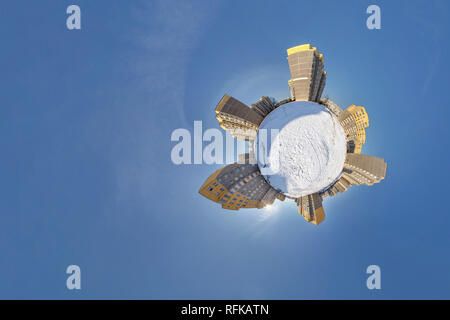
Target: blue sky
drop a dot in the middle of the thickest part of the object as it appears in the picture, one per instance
(86, 176)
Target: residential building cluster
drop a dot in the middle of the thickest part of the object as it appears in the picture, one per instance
(241, 185)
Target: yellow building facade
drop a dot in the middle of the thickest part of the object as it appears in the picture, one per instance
(308, 78)
(354, 119)
(310, 207)
(238, 186)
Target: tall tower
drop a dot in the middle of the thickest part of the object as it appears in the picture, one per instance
(354, 119)
(310, 207)
(308, 78)
(358, 169)
(363, 169)
(331, 106)
(264, 106)
(341, 185)
(237, 118)
(239, 186)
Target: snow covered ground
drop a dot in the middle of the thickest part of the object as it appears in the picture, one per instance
(308, 153)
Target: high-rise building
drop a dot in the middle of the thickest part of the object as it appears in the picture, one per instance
(310, 207)
(341, 185)
(264, 106)
(322, 82)
(363, 169)
(239, 186)
(279, 103)
(269, 197)
(308, 78)
(331, 106)
(358, 169)
(237, 118)
(354, 119)
(281, 196)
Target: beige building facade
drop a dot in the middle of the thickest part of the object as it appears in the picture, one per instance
(237, 118)
(308, 77)
(239, 186)
(264, 106)
(331, 106)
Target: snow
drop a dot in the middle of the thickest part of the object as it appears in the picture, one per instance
(308, 153)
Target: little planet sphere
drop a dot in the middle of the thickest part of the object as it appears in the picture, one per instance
(307, 154)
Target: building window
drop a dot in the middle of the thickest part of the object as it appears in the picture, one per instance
(215, 183)
(210, 189)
